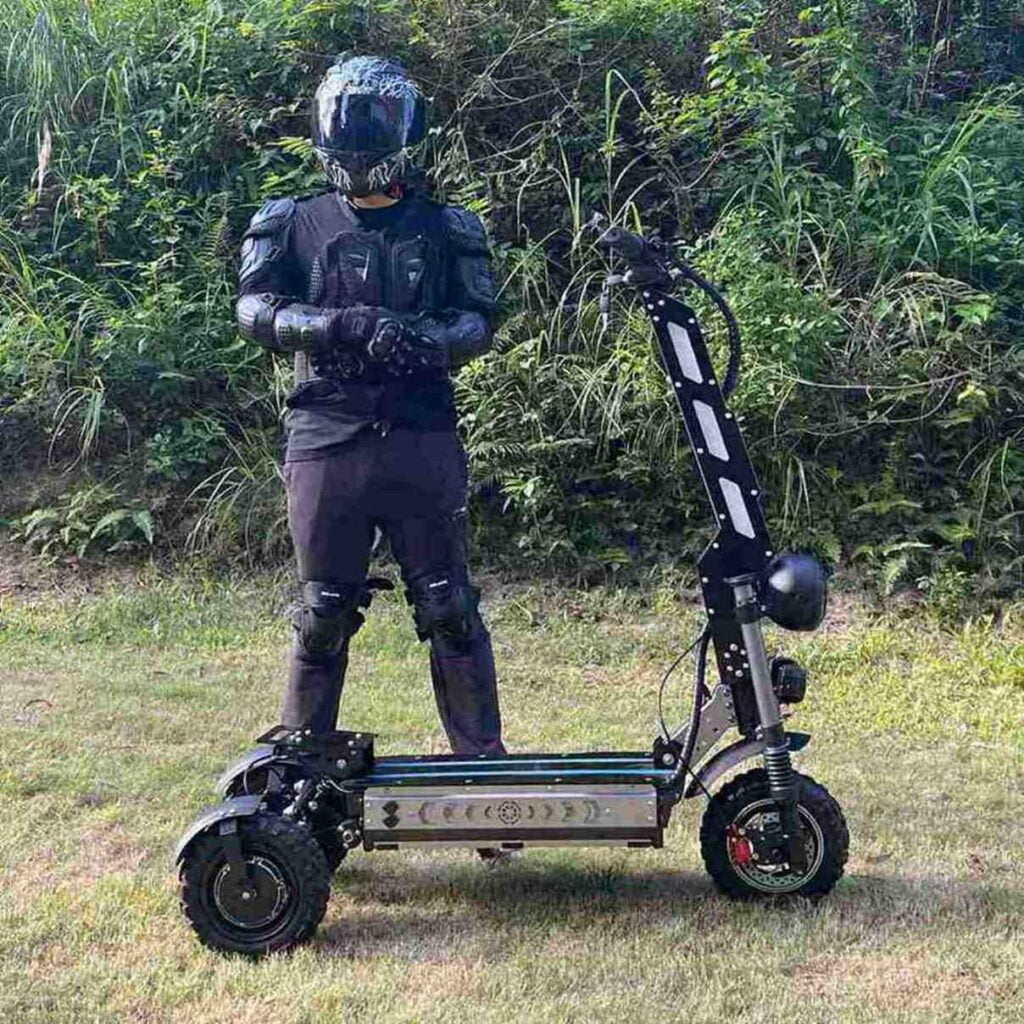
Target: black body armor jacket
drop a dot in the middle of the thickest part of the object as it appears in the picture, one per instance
(310, 263)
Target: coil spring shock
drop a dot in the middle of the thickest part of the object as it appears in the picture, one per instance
(783, 788)
(779, 768)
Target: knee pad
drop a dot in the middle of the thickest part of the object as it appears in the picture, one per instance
(445, 608)
(327, 617)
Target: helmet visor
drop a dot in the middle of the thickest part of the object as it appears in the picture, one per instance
(364, 127)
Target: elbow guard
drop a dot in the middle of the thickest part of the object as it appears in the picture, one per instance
(255, 317)
(284, 326)
(470, 336)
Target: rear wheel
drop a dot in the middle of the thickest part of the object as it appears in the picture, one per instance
(277, 904)
(739, 839)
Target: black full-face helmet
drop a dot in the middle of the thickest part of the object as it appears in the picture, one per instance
(794, 591)
(367, 114)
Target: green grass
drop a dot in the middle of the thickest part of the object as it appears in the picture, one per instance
(118, 707)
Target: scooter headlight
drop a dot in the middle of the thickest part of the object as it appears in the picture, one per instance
(793, 591)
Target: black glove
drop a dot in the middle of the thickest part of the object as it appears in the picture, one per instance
(348, 330)
(354, 326)
(403, 351)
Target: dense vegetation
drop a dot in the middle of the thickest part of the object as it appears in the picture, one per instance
(849, 172)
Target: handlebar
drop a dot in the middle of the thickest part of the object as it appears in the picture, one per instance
(650, 266)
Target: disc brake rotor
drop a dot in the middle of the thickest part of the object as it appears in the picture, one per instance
(742, 847)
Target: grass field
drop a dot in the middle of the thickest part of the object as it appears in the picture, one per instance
(119, 705)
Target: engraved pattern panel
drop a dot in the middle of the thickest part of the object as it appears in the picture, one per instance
(408, 266)
(434, 808)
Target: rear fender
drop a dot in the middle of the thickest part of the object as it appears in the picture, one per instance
(237, 807)
(246, 763)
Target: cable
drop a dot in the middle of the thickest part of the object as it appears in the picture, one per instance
(668, 672)
(698, 692)
(732, 372)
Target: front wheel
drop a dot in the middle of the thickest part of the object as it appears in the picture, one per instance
(278, 903)
(739, 839)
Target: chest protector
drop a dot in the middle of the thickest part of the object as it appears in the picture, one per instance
(401, 266)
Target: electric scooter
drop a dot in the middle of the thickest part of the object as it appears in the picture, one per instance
(254, 870)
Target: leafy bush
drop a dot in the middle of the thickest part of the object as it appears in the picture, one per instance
(849, 172)
(88, 519)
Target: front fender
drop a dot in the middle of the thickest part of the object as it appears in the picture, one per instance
(237, 807)
(734, 754)
(249, 760)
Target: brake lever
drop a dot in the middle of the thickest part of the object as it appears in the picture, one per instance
(605, 302)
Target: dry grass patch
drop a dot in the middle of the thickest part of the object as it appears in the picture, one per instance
(889, 982)
(49, 963)
(105, 850)
(425, 985)
(102, 850)
(218, 1009)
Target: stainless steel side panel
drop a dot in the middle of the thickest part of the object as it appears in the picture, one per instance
(531, 815)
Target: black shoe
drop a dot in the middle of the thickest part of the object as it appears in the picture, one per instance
(492, 856)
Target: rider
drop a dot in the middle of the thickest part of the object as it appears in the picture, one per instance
(380, 293)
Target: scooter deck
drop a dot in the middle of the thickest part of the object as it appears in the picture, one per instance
(513, 801)
(533, 769)
(514, 769)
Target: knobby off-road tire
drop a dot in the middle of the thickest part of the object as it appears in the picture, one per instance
(739, 804)
(290, 886)
(333, 849)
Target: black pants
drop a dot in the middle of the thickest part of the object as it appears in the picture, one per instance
(413, 486)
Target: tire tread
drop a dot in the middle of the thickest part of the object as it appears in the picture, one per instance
(305, 859)
(753, 785)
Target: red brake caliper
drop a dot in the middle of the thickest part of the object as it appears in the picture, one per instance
(739, 847)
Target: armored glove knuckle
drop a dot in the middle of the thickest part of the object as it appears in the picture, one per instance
(387, 340)
(403, 352)
(338, 364)
(346, 331)
(429, 354)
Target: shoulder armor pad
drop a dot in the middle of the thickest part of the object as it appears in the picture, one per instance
(465, 231)
(265, 243)
(271, 218)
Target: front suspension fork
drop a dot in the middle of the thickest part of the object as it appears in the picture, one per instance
(777, 763)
